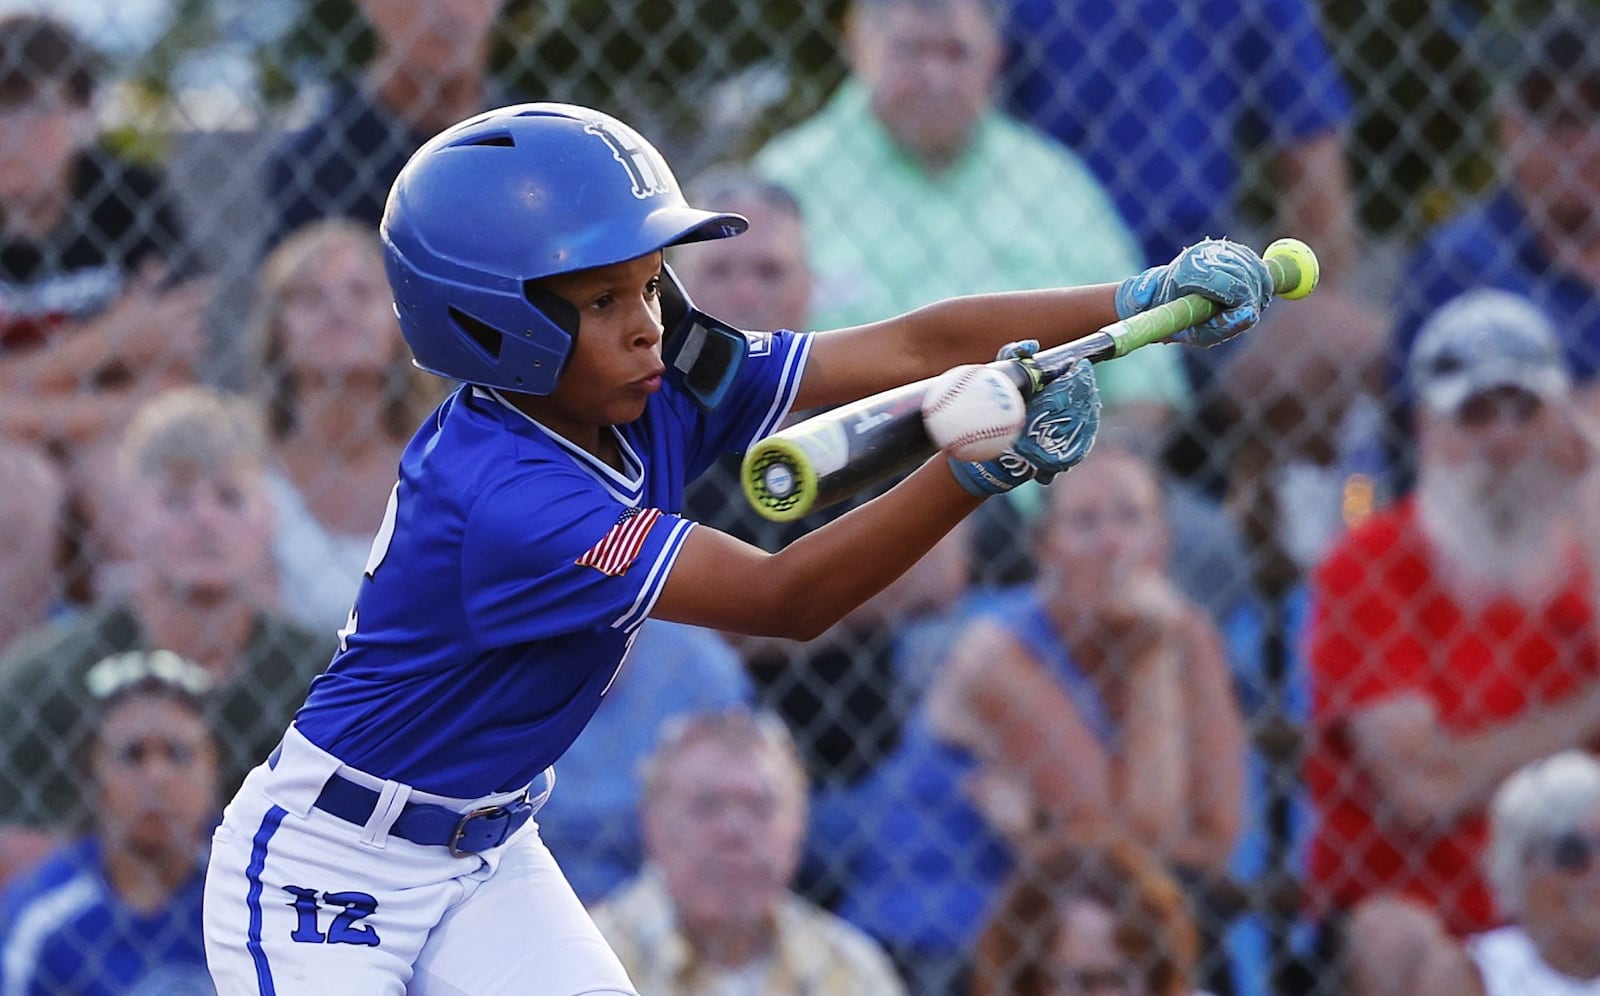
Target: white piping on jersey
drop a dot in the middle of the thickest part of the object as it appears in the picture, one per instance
(627, 488)
(656, 580)
(43, 916)
(789, 387)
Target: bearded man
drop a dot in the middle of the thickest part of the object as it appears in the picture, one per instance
(1452, 636)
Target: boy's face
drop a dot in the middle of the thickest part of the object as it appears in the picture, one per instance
(616, 362)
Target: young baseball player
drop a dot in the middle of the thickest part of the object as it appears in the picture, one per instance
(386, 846)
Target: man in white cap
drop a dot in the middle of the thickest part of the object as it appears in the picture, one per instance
(1451, 639)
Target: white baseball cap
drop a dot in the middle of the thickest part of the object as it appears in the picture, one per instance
(1483, 340)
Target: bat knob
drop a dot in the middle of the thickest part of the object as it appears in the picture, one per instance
(779, 480)
(1306, 268)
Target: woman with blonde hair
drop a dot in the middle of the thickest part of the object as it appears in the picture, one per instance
(340, 398)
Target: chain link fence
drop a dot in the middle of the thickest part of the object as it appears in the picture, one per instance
(166, 181)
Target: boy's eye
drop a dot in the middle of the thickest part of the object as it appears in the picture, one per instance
(653, 288)
(603, 301)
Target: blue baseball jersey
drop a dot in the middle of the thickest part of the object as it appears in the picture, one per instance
(63, 930)
(511, 573)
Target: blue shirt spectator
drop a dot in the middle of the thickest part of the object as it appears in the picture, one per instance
(1493, 244)
(63, 929)
(1536, 233)
(1098, 74)
(429, 70)
(340, 165)
(118, 912)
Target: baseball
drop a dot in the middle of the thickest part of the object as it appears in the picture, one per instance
(972, 412)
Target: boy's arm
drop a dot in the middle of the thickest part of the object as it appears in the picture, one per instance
(723, 583)
(848, 364)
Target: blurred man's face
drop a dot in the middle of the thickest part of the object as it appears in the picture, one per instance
(760, 280)
(204, 534)
(930, 70)
(1084, 960)
(1495, 443)
(1492, 491)
(1554, 157)
(155, 769)
(726, 828)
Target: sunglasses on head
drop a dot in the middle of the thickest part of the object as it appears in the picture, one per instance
(1484, 409)
(1573, 852)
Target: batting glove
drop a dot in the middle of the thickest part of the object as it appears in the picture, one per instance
(1057, 433)
(1227, 272)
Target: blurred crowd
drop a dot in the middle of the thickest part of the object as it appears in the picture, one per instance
(1292, 687)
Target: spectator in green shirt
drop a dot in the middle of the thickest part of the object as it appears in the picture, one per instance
(916, 187)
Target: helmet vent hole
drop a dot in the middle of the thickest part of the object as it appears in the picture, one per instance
(501, 139)
(483, 334)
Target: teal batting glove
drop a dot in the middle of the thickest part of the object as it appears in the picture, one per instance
(1229, 273)
(1057, 434)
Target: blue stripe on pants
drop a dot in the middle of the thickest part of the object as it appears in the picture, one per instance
(252, 874)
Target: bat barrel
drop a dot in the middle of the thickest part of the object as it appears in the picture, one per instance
(823, 459)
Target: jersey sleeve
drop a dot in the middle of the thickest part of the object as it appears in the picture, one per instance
(551, 553)
(758, 402)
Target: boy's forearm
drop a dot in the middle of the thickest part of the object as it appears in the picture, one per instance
(847, 561)
(970, 329)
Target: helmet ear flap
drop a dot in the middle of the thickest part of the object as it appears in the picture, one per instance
(703, 354)
(563, 314)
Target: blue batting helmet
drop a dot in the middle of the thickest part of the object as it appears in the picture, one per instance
(503, 199)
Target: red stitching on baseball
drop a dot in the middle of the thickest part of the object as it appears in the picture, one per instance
(949, 394)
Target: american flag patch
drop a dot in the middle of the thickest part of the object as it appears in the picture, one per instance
(621, 544)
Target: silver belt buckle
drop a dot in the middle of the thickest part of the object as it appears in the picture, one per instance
(461, 827)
